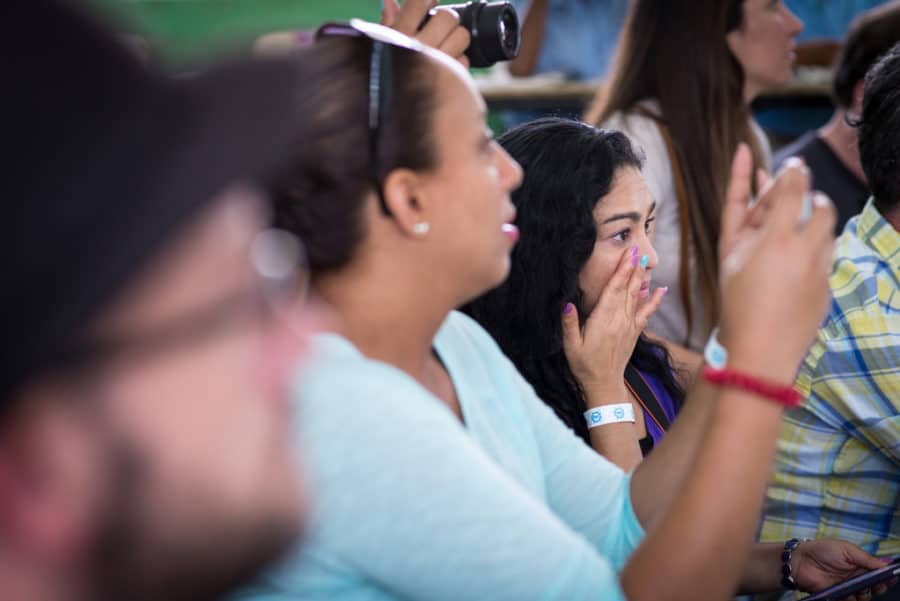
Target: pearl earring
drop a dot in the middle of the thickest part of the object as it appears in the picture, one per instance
(421, 228)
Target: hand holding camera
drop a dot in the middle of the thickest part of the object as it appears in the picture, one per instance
(477, 34)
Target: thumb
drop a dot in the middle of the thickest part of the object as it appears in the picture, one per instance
(571, 329)
(860, 558)
(389, 10)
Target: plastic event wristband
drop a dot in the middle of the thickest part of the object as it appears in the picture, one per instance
(609, 414)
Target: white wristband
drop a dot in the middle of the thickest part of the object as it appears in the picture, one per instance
(609, 414)
(714, 353)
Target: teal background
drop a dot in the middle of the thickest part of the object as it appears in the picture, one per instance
(190, 30)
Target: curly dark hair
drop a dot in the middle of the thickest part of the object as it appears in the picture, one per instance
(879, 131)
(569, 167)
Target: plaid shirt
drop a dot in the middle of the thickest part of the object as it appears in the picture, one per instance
(837, 470)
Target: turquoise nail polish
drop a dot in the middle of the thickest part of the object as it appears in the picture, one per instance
(645, 260)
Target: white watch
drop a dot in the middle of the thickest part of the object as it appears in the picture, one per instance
(714, 353)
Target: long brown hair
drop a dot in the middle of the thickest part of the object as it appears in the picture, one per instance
(676, 53)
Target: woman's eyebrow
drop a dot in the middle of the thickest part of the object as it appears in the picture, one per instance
(631, 215)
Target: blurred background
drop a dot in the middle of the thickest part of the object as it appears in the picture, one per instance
(181, 33)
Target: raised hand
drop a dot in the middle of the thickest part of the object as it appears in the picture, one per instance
(599, 352)
(774, 278)
(442, 30)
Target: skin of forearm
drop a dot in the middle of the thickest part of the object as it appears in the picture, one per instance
(617, 442)
(763, 570)
(701, 546)
(660, 477)
(532, 39)
(687, 363)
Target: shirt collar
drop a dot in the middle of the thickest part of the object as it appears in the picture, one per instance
(874, 230)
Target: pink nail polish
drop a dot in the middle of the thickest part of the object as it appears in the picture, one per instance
(634, 260)
(665, 290)
(568, 308)
(634, 251)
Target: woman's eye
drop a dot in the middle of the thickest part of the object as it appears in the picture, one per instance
(649, 225)
(621, 236)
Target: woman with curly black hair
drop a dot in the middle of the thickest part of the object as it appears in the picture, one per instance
(572, 311)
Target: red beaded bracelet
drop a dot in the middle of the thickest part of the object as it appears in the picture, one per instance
(786, 395)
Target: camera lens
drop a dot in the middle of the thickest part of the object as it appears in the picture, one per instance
(494, 30)
(509, 33)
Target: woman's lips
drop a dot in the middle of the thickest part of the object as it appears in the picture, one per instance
(510, 231)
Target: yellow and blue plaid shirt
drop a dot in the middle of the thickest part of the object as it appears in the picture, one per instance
(837, 469)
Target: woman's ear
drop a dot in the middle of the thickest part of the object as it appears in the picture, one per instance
(858, 89)
(407, 200)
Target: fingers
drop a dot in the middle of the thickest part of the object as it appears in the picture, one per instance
(617, 285)
(820, 227)
(861, 559)
(627, 264)
(411, 14)
(819, 231)
(738, 194)
(571, 329)
(864, 595)
(456, 43)
(650, 307)
(638, 268)
(786, 196)
(442, 23)
(389, 10)
(762, 180)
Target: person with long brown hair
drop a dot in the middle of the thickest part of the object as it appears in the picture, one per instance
(684, 76)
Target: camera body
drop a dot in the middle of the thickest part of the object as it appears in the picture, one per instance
(494, 28)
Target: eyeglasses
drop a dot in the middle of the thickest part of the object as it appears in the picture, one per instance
(381, 72)
(278, 261)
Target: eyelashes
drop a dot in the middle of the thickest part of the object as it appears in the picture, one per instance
(623, 235)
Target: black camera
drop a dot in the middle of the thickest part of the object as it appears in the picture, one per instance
(494, 27)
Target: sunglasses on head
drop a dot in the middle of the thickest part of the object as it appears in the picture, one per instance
(380, 80)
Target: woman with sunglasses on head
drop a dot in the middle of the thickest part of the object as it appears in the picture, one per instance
(684, 76)
(438, 473)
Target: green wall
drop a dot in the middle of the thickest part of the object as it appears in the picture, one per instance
(185, 30)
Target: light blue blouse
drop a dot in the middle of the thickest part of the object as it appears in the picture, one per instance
(411, 504)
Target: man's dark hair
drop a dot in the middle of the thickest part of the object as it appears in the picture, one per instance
(879, 131)
(870, 35)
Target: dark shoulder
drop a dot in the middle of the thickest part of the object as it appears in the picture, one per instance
(809, 147)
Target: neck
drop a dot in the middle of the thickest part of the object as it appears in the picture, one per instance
(751, 91)
(842, 140)
(387, 312)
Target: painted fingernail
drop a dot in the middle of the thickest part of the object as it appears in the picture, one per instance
(634, 251)
(568, 308)
(794, 162)
(665, 290)
(634, 260)
(645, 260)
(821, 200)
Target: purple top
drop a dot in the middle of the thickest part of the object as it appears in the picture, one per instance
(665, 400)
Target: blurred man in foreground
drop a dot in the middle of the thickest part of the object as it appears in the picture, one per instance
(143, 430)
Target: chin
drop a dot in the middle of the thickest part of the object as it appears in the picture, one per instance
(487, 280)
(502, 271)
